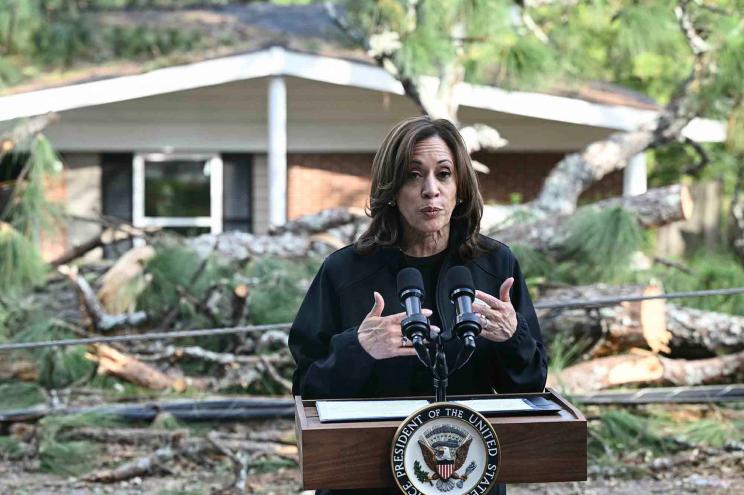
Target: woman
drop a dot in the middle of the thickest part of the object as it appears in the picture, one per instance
(426, 209)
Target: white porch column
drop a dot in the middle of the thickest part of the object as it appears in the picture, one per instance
(277, 151)
(635, 177)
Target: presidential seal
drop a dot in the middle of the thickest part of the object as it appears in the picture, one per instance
(445, 448)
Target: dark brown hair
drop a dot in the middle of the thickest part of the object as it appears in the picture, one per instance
(389, 172)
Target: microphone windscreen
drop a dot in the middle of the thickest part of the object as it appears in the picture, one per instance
(409, 278)
(458, 277)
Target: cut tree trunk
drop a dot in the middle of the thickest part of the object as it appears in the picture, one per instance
(120, 285)
(645, 368)
(608, 329)
(128, 368)
(654, 208)
(653, 324)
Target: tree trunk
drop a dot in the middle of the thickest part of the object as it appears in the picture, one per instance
(652, 209)
(654, 324)
(608, 329)
(128, 368)
(699, 333)
(100, 319)
(647, 369)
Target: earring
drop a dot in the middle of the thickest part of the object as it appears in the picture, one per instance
(391, 203)
(459, 201)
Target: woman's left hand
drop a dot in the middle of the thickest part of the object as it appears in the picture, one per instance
(498, 318)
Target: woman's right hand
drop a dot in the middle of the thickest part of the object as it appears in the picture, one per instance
(381, 336)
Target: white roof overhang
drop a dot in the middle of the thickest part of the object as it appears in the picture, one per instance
(277, 61)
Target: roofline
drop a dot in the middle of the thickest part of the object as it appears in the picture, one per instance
(277, 61)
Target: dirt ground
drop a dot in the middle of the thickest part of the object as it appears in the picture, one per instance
(286, 481)
(15, 481)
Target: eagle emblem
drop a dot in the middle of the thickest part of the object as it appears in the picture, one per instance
(445, 450)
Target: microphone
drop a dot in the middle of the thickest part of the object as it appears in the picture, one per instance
(411, 291)
(459, 283)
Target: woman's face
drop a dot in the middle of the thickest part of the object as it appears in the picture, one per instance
(429, 193)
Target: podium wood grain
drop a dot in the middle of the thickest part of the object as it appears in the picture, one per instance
(535, 448)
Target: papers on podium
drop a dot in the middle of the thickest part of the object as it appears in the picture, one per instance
(367, 410)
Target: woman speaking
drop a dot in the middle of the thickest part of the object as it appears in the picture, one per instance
(426, 210)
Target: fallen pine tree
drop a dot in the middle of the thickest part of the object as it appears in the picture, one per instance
(652, 324)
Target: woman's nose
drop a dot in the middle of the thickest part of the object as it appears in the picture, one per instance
(430, 188)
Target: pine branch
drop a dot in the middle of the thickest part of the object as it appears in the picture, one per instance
(383, 55)
(681, 110)
(698, 45)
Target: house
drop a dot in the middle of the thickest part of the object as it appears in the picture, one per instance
(246, 140)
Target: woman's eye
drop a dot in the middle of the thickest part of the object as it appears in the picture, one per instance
(445, 174)
(414, 175)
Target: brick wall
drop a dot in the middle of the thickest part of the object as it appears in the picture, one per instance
(319, 181)
(524, 174)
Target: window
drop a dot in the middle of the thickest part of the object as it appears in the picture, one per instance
(180, 192)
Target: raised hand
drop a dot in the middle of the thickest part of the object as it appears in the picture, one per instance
(498, 318)
(380, 335)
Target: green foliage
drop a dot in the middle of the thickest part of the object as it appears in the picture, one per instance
(69, 458)
(714, 432)
(165, 421)
(710, 270)
(534, 264)
(621, 432)
(564, 352)
(175, 269)
(59, 367)
(30, 211)
(600, 244)
(21, 266)
(19, 395)
(27, 213)
(625, 436)
(278, 291)
(10, 449)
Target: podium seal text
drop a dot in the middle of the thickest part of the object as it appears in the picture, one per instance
(445, 448)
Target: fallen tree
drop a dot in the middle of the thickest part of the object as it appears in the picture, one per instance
(646, 368)
(653, 208)
(130, 369)
(651, 324)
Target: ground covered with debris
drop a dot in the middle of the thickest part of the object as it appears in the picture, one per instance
(652, 449)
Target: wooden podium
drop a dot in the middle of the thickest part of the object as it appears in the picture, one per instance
(534, 448)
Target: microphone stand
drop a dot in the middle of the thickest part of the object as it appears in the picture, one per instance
(439, 371)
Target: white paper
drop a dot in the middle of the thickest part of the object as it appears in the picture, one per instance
(352, 410)
(349, 410)
(496, 405)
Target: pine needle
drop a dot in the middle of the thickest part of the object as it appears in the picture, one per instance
(600, 244)
(21, 267)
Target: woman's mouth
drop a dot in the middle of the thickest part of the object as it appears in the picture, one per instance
(430, 211)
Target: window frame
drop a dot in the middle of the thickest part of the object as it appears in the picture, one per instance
(213, 221)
